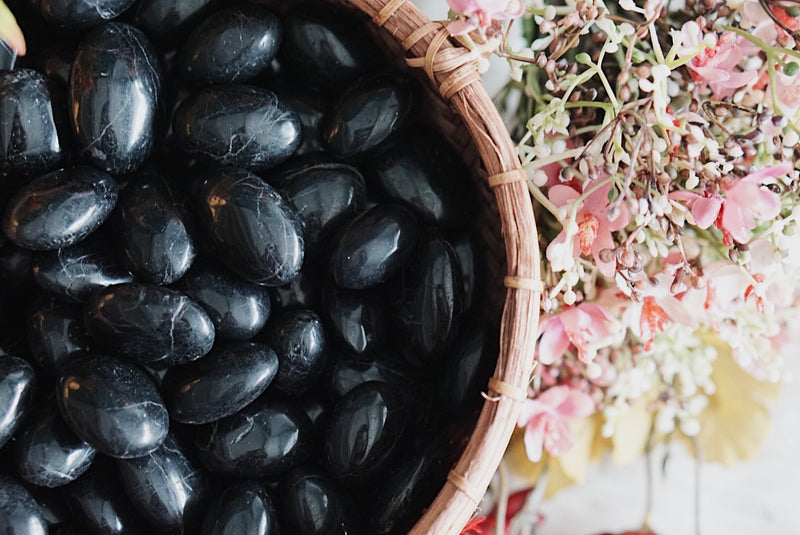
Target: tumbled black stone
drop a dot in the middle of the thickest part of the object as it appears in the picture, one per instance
(52, 507)
(153, 237)
(76, 272)
(423, 173)
(166, 488)
(325, 49)
(232, 45)
(17, 386)
(357, 319)
(149, 324)
(302, 292)
(266, 439)
(252, 229)
(324, 195)
(297, 336)
(242, 508)
(238, 125)
(468, 253)
(79, 14)
(113, 405)
(19, 512)
(466, 370)
(314, 504)
(427, 309)
(238, 308)
(28, 140)
(311, 107)
(60, 208)
(166, 22)
(55, 334)
(114, 92)
(364, 430)
(369, 116)
(55, 62)
(47, 453)
(374, 247)
(347, 373)
(223, 382)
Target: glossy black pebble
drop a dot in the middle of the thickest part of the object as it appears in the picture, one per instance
(466, 370)
(347, 373)
(28, 140)
(304, 291)
(311, 107)
(60, 208)
(17, 385)
(113, 405)
(266, 439)
(149, 324)
(219, 384)
(47, 453)
(238, 308)
(251, 227)
(166, 22)
(357, 319)
(368, 116)
(55, 334)
(238, 125)
(166, 488)
(114, 90)
(243, 508)
(78, 14)
(19, 512)
(314, 504)
(231, 46)
(297, 336)
(76, 272)
(364, 431)
(153, 237)
(374, 247)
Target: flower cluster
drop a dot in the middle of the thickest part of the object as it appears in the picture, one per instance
(661, 146)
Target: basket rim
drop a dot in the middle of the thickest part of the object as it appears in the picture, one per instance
(453, 71)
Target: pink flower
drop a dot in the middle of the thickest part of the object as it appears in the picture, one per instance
(587, 327)
(545, 420)
(716, 65)
(744, 202)
(594, 226)
(481, 13)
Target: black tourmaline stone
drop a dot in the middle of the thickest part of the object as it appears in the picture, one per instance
(299, 340)
(314, 504)
(166, 22)
(79, 14)
(243, 508)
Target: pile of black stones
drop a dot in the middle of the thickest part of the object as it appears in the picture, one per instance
(240, 290)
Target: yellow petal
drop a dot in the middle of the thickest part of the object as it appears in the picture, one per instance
(10, 31)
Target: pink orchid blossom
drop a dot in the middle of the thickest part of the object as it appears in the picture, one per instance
(716, 65)
(479, 14)
(587, 327)
(545, 420)
(594, 225)
(744, 202)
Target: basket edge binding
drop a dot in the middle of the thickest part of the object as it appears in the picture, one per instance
(454, 71)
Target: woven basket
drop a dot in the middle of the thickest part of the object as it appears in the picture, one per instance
(465, 115)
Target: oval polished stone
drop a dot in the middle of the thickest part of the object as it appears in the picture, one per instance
(113, 405)
(220, 384)
(167, 22)
(303, 291)
(60, 208)
(299, 340)
(251, 228)
(347, 373)
(368, 116)
(47, 453)
(466, 370)
(149, 324)
(357, 320)
(311, 107)
(166, 488)
(55, 334)
(243, 508)
(76, 272)
(468, 252)
(423, 173)
(238, 308)
(17, 386)
(427, 310)
(326, 49)
(374, 247)
(266, 439)
(314, 504)
(28, 140)
(79, 14)
(238, 125)
(324, 195)
(231, 46)
(19, 512)
(113, 92)
(364, 430)
(153, 238)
